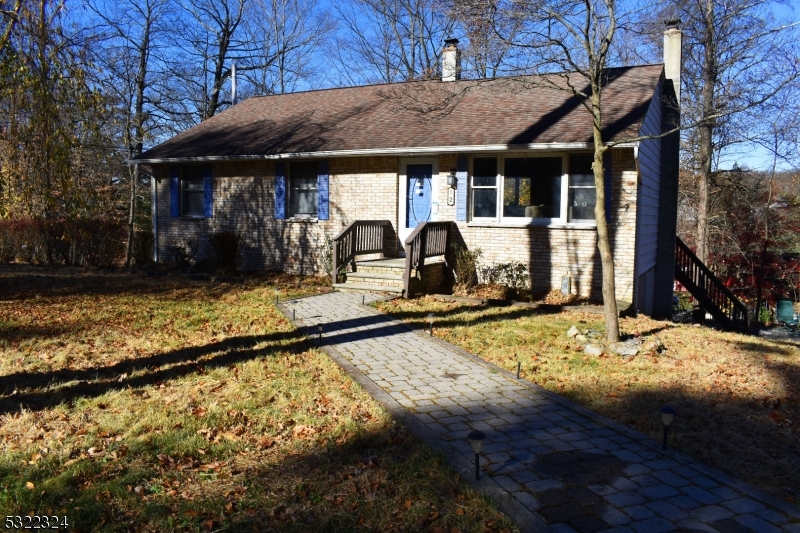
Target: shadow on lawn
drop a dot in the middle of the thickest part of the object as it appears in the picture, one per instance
(379, 480)
(95, 381)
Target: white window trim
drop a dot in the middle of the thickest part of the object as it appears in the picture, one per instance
(500, 221)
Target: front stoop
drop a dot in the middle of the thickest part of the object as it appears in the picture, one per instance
(386, 276)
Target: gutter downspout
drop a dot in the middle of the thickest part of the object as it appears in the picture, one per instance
(154, 209)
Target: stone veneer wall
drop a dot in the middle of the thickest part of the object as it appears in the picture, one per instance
(367, 188)
(244, 200)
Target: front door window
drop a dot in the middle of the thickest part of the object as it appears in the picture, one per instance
(419, 194)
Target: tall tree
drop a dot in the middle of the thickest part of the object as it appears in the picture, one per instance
(134, 38)
(391, 40)
(209, 36)
(292, 33)
(570, 45)
(54, 124)
(737, 55)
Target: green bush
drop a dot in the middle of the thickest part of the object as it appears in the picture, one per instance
(512, 275)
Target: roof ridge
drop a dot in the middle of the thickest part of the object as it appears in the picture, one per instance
(433, 80)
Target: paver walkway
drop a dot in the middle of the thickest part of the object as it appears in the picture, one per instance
(550, 464)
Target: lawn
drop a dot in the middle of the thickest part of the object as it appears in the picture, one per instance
(137, 403)
(737, 397)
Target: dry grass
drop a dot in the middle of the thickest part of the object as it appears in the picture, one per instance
(737, 396)
(130, 403)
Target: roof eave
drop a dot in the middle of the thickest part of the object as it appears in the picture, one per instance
(407, 151)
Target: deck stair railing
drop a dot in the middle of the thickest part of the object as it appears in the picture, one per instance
(709, 291)
(429, 239)
(359, 238)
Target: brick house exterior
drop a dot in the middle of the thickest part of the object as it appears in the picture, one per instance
(253, 154)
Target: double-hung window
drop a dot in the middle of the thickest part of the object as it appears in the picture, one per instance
(484, 187)
(303, 192)
(582, 192)
(191, 187)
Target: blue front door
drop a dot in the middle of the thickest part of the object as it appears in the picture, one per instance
(419, 193)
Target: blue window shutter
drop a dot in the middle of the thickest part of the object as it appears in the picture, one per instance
(608, 173)
(322, 189)
(174, 192)
(280, 190)
(461, 188)
(208, 192)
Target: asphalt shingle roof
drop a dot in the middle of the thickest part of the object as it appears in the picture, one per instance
(498, 112)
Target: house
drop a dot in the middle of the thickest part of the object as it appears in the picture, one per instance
(508, 162)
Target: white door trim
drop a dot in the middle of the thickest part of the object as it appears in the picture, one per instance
(402, 231)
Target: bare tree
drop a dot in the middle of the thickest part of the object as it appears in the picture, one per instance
(570, 45)
(486, 52)
(290, 33)
(391, 40)
(134, 37)
(211, 34)
(737, 56)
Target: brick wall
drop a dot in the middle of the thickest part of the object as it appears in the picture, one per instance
(367, 188)
(554, 251)
(244, 200)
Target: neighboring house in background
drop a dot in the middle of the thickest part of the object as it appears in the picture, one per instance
(288, 170)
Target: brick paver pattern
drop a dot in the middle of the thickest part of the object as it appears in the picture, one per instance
(575, 473)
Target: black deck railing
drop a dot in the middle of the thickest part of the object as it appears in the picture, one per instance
(429, 239)
(359, 238)
(709, 291)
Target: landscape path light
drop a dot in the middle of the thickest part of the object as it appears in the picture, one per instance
(430, 319)
(319, 332)
(475, 439)
(667, 415)
(277, 295)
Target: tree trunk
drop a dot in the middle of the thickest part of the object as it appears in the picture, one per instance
(603, 237)
(709, 81)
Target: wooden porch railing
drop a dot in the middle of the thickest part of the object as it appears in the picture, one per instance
(360, 237)
(709, 291)
(429, 239)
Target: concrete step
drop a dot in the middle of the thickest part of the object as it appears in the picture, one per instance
(366, 287)
(379, 277)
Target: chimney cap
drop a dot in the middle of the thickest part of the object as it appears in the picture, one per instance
(451, 41)
(672, 24)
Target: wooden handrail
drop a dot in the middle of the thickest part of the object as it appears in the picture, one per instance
(360, 237)
(709, 291)
(429, 239)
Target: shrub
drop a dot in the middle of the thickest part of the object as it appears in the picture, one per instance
(143, 242)
(100, 242)
(226, 249)
(9, 247)
(183, 253)
(326, 251)
(466, 265)
(514, 275)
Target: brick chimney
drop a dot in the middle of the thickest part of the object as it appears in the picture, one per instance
(672, 54)
(451, 60)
